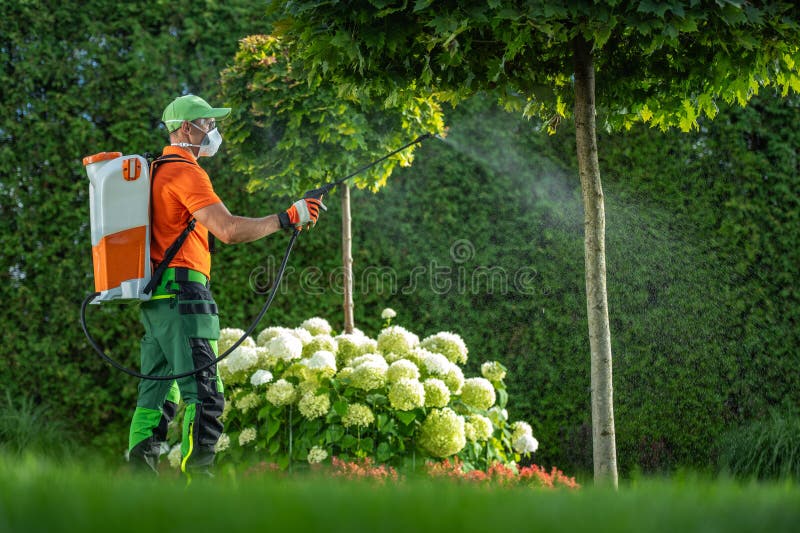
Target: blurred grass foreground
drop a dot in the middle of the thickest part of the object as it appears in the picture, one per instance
(37, 495)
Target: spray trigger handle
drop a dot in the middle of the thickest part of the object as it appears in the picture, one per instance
(318, 193)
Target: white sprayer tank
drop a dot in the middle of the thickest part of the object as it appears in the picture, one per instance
(119, 207)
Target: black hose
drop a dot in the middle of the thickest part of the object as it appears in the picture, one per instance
(247, 333)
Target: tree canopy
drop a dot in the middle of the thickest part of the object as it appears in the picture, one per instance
(293, 132)
(664, 63)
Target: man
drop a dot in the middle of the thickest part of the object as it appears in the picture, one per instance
(181, 322)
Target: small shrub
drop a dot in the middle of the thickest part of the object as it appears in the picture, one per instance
(25, 428)
(763, 449)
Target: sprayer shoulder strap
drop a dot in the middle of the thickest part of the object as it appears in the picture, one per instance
(173, 249)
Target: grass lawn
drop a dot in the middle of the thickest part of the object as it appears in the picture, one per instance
(39, 496)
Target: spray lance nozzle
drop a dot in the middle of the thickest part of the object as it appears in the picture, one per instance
(325, 189)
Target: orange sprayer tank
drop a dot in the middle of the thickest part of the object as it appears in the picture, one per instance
(119, 208)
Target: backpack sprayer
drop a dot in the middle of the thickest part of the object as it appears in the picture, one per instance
(121, 240)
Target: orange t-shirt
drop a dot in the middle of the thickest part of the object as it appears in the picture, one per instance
(180, 189)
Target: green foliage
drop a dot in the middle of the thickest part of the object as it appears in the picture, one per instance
(662, 63)
(292, 132)
(764, 449)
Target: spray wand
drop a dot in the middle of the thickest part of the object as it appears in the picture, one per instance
(315, 193)
(325, 189)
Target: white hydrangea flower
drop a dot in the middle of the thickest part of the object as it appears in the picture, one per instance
(247, 402)
(402, 368)
(520, 428)
(481, 426)
(435, 364)
(285, 347)
(478, 393)
(396, 339)
(373, 358)
(270, 333)
(525, 444)
(369, 345)
(449, 344)
(358, 415)
(350, 346)
(442, 433)
(281, 393)
(313, 405)
(345, 373)
(237, 366)
(319, 342)
(174, 456)
(407, 394)
(323, 361)
(228, 336)
(388, 313)
(454, 379)
(260, 377)
(223, 443)
(498, 416)
(369, 375)
(225, 410)
(317, 326)
(242, 358)
(247, 436)
(317, 454)
(309, 385)
(493, 371)
(436, 393)
(302, 334)
(265, 360)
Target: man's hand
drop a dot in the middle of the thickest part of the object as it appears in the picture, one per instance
(301, 213)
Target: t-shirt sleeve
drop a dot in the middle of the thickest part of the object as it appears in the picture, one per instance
(194, 191)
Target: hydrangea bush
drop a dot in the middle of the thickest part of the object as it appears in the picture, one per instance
(307, 395)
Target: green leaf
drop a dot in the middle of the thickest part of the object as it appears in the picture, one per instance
(348, 442)
(381, 420)
(274, 447)
(272, 428)
(283, 461)
(334, 434)
(384, 452)
(367, 445)
(421, 5)
(340, 407)
(406, 417)
(502, 398)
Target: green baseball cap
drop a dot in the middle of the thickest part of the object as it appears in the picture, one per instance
(190, 107)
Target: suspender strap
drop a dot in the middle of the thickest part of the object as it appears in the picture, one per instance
(173, 249)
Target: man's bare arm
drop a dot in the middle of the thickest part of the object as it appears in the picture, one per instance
(232, 229)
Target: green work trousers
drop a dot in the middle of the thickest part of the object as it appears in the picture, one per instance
(181, 332)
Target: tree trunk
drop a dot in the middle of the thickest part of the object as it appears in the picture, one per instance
(603, 439)
(347, 259)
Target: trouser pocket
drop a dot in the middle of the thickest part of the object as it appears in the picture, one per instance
(198, 311)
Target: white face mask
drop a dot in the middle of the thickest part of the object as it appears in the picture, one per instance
(210, 143)
(208, 146)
